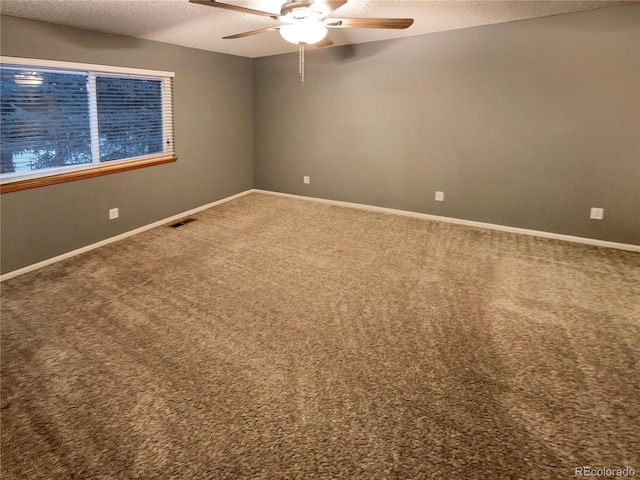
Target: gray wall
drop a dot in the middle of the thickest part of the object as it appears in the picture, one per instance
(527, 124)
(213, 128)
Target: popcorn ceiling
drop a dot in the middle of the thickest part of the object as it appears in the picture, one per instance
(191, 25)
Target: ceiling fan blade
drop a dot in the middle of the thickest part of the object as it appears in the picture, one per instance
(395, 23)
(252, 32)
(325, 42)
(325, 7)
(235, 8)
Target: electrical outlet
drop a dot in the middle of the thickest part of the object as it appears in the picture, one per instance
(440, 196)
(114, 213)
(306, 179)
(597, 213)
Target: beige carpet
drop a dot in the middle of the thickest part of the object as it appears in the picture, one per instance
(276, 338)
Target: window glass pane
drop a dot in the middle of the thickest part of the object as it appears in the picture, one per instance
(129, 117)
(44, 120)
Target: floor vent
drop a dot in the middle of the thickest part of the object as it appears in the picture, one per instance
(182, 222)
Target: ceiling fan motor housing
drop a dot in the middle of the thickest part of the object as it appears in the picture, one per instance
(290, 6)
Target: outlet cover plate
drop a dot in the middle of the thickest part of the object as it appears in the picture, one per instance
(440, 196)
(597, 213)
(114, 213)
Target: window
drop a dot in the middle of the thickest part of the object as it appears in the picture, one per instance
(62, 121)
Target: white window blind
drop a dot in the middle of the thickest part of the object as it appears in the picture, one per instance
(45, 120)
(56, 118)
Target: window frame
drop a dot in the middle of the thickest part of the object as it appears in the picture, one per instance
(35, 178)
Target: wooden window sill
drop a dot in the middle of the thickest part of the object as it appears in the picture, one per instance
(81, 174)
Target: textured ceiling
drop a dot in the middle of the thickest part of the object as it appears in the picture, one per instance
(182, 23)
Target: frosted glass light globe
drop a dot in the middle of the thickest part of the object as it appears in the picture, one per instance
(308, 32)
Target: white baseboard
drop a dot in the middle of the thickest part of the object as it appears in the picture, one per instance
(425, 216)
(73, 253)
(469, 223)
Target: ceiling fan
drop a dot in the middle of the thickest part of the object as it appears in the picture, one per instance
(305, 22)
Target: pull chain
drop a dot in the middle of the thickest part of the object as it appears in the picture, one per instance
(301, 62)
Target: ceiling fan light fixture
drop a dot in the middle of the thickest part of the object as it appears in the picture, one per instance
(308, 32)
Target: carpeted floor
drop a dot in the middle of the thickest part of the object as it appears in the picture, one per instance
(276, 338)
